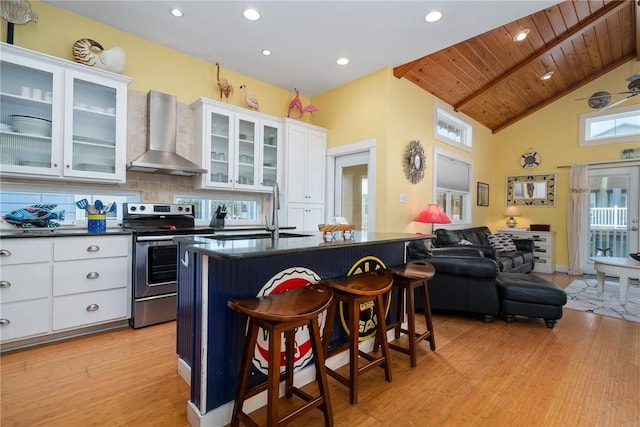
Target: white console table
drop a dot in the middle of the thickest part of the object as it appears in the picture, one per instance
(543, 244)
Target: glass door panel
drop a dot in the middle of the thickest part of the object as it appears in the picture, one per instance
(246, 174)
(26, 114)
(93, 128)
(269, 156)
(221, 150)
(613, 213)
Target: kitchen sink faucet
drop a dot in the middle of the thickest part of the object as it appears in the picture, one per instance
(274, 228)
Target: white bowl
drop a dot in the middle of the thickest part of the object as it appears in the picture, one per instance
(31, 125)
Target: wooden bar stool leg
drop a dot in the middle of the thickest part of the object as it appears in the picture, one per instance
(273, 377)
(290, 342)
(427, 315)
(354, 327)
(321, 371)
(411, 327)
(400, 312)
(245, 368)
(381, 331)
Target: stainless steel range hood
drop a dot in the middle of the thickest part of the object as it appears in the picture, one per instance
(162, 129)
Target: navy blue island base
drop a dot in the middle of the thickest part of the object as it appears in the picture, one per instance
(211, 336)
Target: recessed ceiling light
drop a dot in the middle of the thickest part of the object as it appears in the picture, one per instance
(521, 35)
(251, 14)
(547, 75)
(266, 52)
(342, 61)
(433, 16)
(176, 12)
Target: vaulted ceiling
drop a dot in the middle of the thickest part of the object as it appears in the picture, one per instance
(496, 81)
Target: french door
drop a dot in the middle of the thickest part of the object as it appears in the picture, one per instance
(351, 188)
(614, 211)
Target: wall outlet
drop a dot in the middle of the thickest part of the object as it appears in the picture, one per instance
(403, 198)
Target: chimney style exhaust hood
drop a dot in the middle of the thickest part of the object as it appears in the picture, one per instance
(162, 130)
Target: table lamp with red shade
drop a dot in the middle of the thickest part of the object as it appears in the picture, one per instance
(433, 214)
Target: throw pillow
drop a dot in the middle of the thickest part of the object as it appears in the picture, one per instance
(502, 242)
(464, 242)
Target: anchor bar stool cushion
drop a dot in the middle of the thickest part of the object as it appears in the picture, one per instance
(407, 278)
(278, 314)
(352, 291)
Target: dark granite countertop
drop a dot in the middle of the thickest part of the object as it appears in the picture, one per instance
(253, 248)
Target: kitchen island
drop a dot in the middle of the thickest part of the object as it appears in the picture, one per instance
(214, 269)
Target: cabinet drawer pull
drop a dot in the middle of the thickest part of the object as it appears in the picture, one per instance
(93, 307)
(93, 275)
(4, 322)
(4, 284)
(5, 252)
(93, 248)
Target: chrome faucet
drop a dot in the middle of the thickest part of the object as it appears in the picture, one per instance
(274, 228)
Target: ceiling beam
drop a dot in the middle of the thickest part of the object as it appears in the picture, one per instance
(602, 14)
(637, 14)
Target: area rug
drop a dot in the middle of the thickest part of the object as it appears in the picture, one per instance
(583, 295)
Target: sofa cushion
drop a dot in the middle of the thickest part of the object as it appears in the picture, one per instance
(501, 242)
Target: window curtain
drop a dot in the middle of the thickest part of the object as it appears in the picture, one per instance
(577, 217)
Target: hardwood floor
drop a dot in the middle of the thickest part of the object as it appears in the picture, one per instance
(584, 372)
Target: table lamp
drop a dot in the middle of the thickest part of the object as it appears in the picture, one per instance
(511, 212)
(433, 214)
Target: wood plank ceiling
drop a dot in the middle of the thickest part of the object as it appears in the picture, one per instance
(496, 81)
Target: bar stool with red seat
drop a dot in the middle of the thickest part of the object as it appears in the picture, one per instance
(277, 314)
(352, 291)
(408, 277)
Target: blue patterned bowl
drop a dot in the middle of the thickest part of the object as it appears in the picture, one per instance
(635, 256)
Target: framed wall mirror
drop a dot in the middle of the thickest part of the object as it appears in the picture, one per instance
(531, 190)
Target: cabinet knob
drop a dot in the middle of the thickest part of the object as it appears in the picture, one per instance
(93, 307)
(4, 284)
(93, 275)
(4, 322)
(55, 165)
(68, 166)
(93, 248)
(5, 252)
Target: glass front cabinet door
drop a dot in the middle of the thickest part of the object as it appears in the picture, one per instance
(238, 148)
(60, 119)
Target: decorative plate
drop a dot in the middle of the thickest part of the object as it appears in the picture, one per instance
(530, 160)
(413, 162)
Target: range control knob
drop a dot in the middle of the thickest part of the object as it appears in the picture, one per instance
(133, 208)
(179, 208)
(142, 207)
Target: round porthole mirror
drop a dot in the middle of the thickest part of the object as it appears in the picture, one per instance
(413, 162)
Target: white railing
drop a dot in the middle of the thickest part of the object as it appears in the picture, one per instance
(614, 217)
(608, 242)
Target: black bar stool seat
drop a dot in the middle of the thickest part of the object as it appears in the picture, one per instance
(408, 277)
(277, 314)
(352, 291)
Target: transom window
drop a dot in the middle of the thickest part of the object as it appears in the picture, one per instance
(451, 129)
(610, 126)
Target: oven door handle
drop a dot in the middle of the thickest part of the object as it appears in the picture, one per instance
(153, 238)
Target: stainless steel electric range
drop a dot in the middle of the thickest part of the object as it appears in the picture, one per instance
(155, 258)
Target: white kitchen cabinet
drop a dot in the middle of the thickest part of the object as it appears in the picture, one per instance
(305, 216)
(306, 148)
(240, 149)
(68, 283)
(543, 247)
(59, 119)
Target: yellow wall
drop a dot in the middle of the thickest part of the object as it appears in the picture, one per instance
(394, 112)
(553, 132)
(152, 66)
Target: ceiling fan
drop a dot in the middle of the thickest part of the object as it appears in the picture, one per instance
(602, 100)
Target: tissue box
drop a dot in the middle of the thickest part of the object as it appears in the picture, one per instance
(539, 227)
